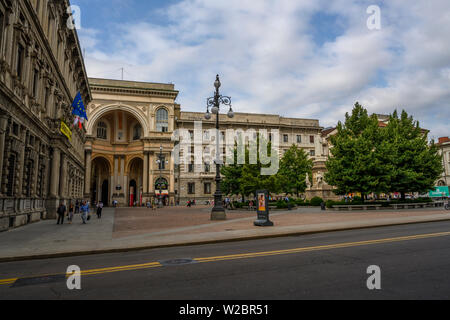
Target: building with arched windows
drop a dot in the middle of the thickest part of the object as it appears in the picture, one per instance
(132, 131)
(128, 124)
(41, 71)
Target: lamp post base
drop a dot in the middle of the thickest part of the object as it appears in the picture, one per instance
(218, 214)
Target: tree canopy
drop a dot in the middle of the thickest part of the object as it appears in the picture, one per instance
(366, 157)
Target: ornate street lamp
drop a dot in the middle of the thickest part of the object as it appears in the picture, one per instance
(218, 212)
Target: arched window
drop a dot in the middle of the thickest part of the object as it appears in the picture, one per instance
(102, 129)
(162, 120)
(137, 132)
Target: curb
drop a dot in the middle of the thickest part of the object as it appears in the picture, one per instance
(193, 243)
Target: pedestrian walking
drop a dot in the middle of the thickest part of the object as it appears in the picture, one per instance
(71, 212)
(84, 212)
(99, 209)
(61, 212)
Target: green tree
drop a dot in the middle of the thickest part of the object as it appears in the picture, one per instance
(415, 165)
(252, 178)
(246, 179)
(294, 168)
(232, 174)
(356, 163)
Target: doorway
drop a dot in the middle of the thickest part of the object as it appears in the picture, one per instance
(133, 193)
(105, 189)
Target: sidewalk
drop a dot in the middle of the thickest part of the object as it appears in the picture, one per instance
(126, 229)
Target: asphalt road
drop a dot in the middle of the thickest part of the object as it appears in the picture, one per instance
(414, 261)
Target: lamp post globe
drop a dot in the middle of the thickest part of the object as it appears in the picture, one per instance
(231, 113)
(208, 115)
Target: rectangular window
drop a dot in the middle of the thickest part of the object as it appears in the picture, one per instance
(311, 139)
(190, 167)
(20, 55)
(162, 163)
(191, 188)
(285, 138)
(50, 18)
(207, 188)
(38, 5)
(2, 26)
(35, 84)
(11, 175)
(15, 129)
(312, 153)
(207, 168)
(299, 139)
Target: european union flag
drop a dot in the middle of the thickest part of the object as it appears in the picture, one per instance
(78, 108)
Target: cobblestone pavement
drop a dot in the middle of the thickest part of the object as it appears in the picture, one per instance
(125, 229)
(134, 221)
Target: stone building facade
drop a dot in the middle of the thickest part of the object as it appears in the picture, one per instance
(130, 121)
(197, 180)
(444, 150)
(41, 70)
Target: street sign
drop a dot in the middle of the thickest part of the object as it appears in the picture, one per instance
(439, 192)
(262, 205)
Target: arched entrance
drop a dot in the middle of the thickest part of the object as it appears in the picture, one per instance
(100, 181)
(135, 187)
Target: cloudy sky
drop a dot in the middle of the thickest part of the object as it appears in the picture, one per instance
(295, 58)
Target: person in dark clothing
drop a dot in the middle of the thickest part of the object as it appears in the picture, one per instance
(61, 212)
(99, 210)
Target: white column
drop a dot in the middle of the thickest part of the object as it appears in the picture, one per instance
(87, 174)
(145, 173)
(116, 169)
(3, 124)
(55, 173)
(63, 177)
(122, 173)
(152, 165)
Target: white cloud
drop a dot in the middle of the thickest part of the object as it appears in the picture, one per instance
(269, 62)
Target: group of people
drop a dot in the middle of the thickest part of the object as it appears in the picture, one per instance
(79, 207)
(151, 204)
(191, 203)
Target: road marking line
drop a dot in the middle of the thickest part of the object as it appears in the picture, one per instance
(317, 248)
(8, 281)
(95, 271)
(252, 255)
